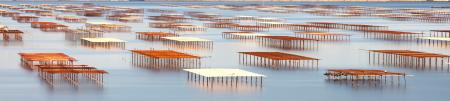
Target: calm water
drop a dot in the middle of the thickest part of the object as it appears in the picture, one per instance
(126, 82)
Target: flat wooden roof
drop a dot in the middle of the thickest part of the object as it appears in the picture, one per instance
(103, 40)
(164, 54)
(279, 56)
(185, 39)
(46, 56)
(417, 54)
(223, 73)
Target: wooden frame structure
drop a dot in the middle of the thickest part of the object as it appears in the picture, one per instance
(71, 73)
(7, 34)
(71, 19)
(90, 13)
(103, 43)
(108, 27)
(170, 18)
(77, 34)
(277, 60)
(162, 24)
(273, 24)
(323, 36)
(220, 24)
(164, 59)
(25, 19)
(440, 33)
(9, 14)
(250, 28)
(49, 26)
(188, 42)
(391, 35)
(356, 27)
(241, 35)
(373, 77)
(32, 59)
(307, 28)
(288, 42)
(184, 27)
(153, 36)
(408, 58)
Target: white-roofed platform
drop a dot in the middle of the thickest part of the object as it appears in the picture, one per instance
(188, 42)
(224, 76)
(103, 42)
(241, 35)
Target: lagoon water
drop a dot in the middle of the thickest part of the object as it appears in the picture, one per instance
(126, 82)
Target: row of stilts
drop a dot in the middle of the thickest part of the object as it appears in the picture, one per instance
(108, 45)
(207, 45)
(289, 44)
(408, 61)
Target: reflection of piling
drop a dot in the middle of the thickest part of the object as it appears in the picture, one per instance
(277, 60)
(408, 58)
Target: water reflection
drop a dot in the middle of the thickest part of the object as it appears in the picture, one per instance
(369, 84)
(12, 43)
